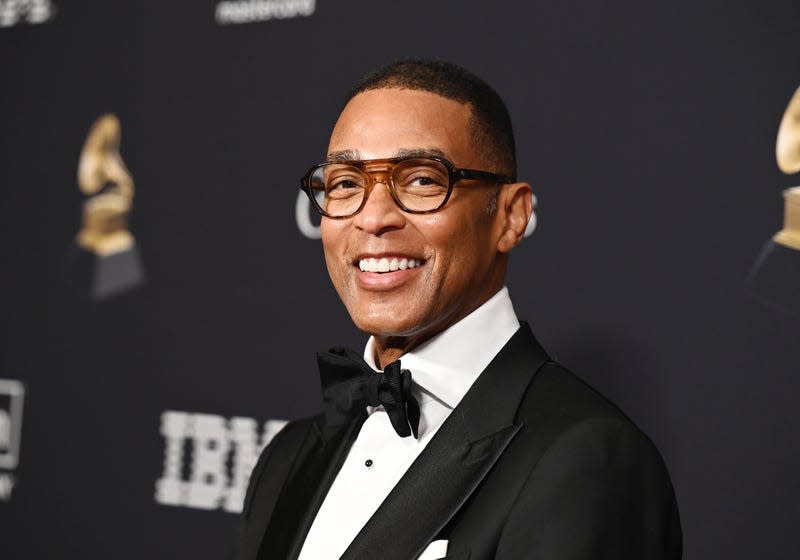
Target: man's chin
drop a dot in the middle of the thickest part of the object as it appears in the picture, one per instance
(385, 325)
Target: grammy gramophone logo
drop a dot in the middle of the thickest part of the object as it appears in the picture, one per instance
(114, 265)
(787, 152)
(775, 276)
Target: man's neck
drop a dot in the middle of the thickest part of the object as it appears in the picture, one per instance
(387, 349)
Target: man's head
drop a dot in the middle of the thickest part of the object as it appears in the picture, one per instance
(444, 264)
(489, 125)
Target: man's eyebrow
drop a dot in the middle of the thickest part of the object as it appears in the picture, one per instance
(420, 152)
(355, 155)
(344, 155)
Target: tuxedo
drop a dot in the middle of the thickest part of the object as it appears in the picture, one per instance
(532, 463)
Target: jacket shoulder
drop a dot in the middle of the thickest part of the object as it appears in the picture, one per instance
(564, 416)
(558, 396)
(594, 478)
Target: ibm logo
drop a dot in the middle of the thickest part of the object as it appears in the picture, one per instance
(12, 394)
(208, 459)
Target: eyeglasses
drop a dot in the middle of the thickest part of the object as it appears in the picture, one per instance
(418, 185)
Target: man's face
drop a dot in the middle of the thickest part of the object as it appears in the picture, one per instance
(453, 260)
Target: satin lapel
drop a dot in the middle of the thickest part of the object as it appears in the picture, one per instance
(456, 460)
(312, 475)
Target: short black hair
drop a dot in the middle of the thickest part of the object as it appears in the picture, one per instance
(491, 124)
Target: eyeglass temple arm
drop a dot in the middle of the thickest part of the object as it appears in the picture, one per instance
(482, 175)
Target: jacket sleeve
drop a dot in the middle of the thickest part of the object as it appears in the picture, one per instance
(601, 491)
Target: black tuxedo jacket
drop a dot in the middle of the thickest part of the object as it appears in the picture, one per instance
(532, 463)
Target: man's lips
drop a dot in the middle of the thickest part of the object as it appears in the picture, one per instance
(387, 263)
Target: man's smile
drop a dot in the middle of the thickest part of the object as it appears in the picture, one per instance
(387, 263)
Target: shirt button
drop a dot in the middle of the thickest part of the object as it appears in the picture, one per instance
(368, 463)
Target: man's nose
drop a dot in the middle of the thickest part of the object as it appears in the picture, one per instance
(380, 212)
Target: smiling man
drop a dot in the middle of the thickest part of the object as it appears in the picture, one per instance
(454, 435)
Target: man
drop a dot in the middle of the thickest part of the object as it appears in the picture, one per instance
(487, 448)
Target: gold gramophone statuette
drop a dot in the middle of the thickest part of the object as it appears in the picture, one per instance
(787, 152)
(103, 176)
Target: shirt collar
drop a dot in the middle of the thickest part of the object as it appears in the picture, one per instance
(449, 363)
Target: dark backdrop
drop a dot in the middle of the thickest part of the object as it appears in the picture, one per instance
(647, 132)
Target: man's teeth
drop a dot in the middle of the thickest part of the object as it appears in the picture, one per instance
(387, 265)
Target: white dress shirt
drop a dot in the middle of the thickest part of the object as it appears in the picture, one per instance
(443, 369)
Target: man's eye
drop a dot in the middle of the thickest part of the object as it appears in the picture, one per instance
(344, 187)
(420, 176)
(423, 184)
(424, 180)
(342, 184)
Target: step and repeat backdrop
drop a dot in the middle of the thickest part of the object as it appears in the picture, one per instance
(162, 283)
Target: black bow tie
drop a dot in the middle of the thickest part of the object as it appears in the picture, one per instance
(349, 385)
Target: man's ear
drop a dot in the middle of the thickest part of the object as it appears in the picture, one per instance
(515, 203)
